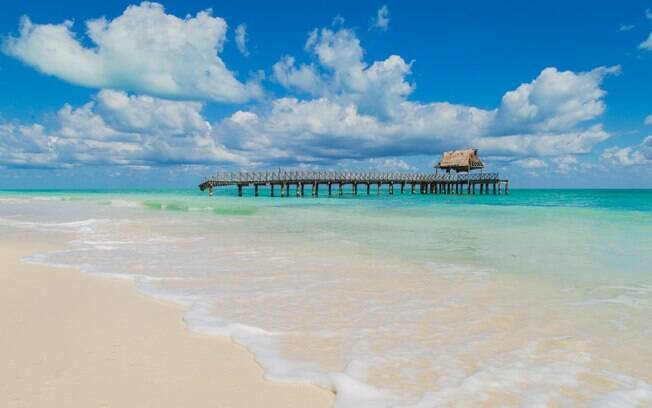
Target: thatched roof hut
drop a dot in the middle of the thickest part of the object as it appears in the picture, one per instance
(460, 160)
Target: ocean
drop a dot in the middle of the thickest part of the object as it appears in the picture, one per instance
(537, 298)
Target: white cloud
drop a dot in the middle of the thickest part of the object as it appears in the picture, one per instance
(382, 18)
(391, 165)
(531, 163)
(358, 110)
(648, 120)
(640, 154)
(338, 21)
(118, 129)
(343, 75)
(565, 164)
(544, 144)
(303, 78)
(241, 38)
(143, 50)
(554, 101)
(350, 110)
(627, 27)
(26, 146)
(647, 44)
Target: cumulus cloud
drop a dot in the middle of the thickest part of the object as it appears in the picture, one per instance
(355, 110)
(640, 154)
(554, 101)
(648, 120)
(382, 18)
(346, 109)
(143, 50)
(241, 38)
(117, 129)
(344, 76)
(303, 78)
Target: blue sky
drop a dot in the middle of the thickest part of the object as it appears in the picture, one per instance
(554, 94)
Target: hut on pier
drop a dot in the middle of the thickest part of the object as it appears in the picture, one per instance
(460, 161)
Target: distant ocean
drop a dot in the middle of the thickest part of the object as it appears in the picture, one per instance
(538, 298)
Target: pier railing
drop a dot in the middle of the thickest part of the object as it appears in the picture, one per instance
(347, 177)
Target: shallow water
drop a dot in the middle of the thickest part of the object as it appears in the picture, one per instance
(542, 297)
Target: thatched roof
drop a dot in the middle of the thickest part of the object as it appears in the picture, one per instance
(460, 160)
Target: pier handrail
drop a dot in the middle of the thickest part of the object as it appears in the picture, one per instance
(345, 177)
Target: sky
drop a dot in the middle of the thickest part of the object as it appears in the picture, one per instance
(554, 94)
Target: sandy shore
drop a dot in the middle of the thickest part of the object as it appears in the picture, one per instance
(72, 340)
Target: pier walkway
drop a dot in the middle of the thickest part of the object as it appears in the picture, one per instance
(295, 182)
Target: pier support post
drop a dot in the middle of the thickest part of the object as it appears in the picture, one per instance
(378, 189)
(210, 191)
(330, 189)
(271, 190)
(402, 187)
(355, 188)
(239, 190)
(368, 188)
(391, 188)
(256, 190)
(494, 188)
(412, 188)
(340, 189)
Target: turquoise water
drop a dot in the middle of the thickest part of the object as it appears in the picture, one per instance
(540, 297)
(625, 200)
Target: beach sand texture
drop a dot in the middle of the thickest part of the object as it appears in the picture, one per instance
(71, 340)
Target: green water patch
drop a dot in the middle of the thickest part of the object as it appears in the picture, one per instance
(175, 206)
(167, 206)
(152, 205)
(234, 211)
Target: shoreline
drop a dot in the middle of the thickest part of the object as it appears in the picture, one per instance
(81, 341)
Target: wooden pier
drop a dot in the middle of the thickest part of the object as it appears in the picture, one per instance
(300, 183)
(288, 183)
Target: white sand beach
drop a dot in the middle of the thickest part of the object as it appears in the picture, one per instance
(73, 340)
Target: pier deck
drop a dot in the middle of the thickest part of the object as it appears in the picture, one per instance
(423, 183)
